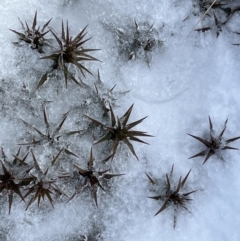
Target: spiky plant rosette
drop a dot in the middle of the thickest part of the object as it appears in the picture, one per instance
(33, 36)
(136, 40)
(173, 196)
(120, 131)
(215, 143)
(71, 51)
(14, 176)
(43, 185)
(51, 136)
(92, 177)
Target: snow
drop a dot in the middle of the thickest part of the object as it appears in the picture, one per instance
(186, 80)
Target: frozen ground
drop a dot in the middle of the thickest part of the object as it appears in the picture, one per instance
(178, 85)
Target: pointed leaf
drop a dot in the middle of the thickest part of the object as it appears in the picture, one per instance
(70, 153)
(56, 157)
(46, 24)
(5, 171)
(225, 125)
(202, 153)
(113, 119)
(81, 171)
(179, 185)
(188, 193)
(80, 34)
(109, 176)
(10, 200)
(164, 206)
(34, 21)
(56, 37)
(185, 179)
(230, 148)
(61, 123)
(94, 193)
(156, 197)
(127, 115)
(205, 142)
(131, 125)
(168, 184)
(49, 198)
(108, 158)
(150, 179)
(90, 162)
(35, 162)
(45, 116)
(232, 139)
(104, 138)
(210, 153)
(130, 146)
(63, 33)
(42, 80)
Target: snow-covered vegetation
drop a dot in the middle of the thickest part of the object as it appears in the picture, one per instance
(85, 86)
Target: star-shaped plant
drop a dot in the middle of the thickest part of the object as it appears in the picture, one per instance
(42, 185)
(71, 51)
(215, 143)
(50, 137)
(9, 185)
(16, 161)
(12, 179)
(173, 196)
(33, 36)
(120, 130)
(19, 167)
(93, 177)
(136, 40)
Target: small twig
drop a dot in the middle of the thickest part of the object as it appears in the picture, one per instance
(201, 18)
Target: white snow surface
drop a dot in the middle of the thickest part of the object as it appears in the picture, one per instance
(187, 80)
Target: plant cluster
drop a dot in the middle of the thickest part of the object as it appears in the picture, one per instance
(174, 196)
(23, 177)
(70, 50)
(40, 183)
